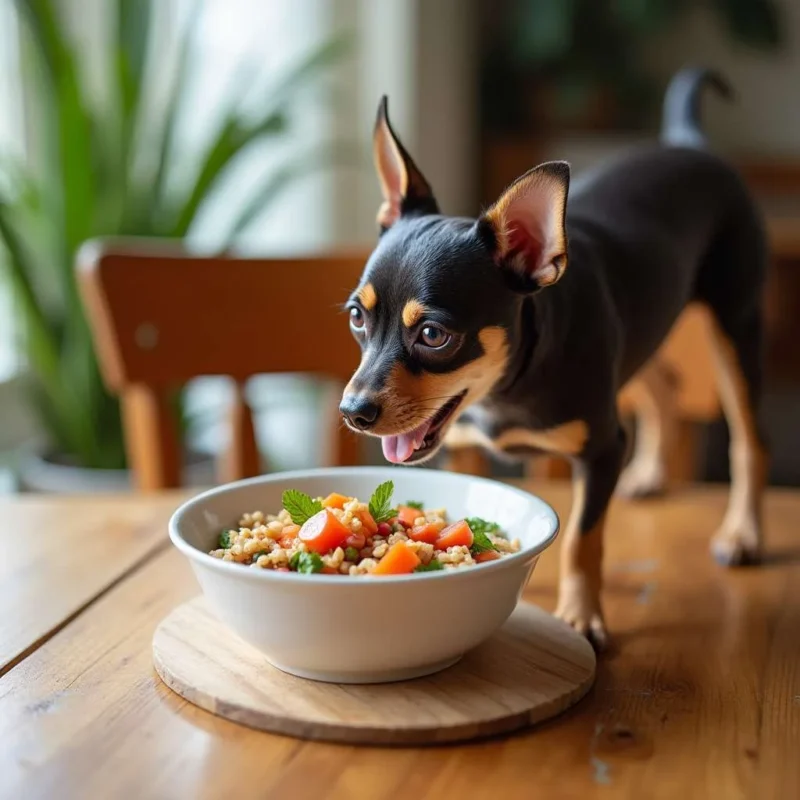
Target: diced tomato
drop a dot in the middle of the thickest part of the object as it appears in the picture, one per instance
(334, 500)
(429, 532)
(400, 559)
(329, 571)
(357, 540)
(408, 515)
(323, 532)
(458, 533)
(384, 529)
(487, 555)
(370, 526)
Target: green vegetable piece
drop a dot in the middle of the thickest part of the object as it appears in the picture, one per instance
(351, 554)
(434, 566)
(481, 543)
(380, 504)
(306, 563)
(415, 504)
(225, 539)
(300, 506)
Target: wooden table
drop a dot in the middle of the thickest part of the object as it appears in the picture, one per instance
(700, 697)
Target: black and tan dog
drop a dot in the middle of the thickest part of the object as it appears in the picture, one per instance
(517, 330)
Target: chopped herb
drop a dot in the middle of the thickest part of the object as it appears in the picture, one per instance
(306, 562)
(415, 504)
(380, 504)
(225, 539)
(300, 506)
(481, 543)
(351, 554)
(433, 566)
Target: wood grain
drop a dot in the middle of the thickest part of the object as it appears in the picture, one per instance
(698, 698)
(532, 669)
(61, 553)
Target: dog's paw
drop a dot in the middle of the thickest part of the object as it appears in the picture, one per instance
(580, 609)
(642, 479)
(737, 544)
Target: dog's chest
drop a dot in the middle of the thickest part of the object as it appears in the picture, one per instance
(515, 435)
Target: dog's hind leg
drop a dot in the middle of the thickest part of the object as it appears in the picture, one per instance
(651, 395)
(738, 361)
(580, 577)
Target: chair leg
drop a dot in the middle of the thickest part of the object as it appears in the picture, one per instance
(151, 439)
(242, 460)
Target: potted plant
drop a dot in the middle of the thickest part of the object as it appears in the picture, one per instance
(86, 179)
(577, 64)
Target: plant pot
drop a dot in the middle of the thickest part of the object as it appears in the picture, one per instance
(53, 474)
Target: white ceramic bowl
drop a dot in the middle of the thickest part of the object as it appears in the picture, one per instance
(365, 629)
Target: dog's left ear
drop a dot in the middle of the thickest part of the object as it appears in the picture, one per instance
(528, 225)
(405, 190)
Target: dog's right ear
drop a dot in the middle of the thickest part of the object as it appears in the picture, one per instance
(405, 190)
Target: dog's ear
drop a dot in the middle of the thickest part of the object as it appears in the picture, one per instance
(528, 226)
(405, 190)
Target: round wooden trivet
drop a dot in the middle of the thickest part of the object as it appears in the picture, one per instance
(533, 668)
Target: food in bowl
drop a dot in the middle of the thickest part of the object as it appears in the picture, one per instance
(342, 535)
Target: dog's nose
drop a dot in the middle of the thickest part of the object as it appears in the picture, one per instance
(360, 411)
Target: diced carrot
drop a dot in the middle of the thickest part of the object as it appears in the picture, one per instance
(291, 530)
(458, 533)
(408, 515)
(286, 541)
(329, 571)
(357, 540)
(282, 569)
(334, 500)
(400, 559)
(487, 555)
(429, 532)
(323, 532)
(368, 522)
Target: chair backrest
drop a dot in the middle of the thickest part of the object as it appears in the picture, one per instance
(160, 318)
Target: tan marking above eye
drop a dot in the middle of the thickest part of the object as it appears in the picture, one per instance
(413, 312)
(367, 296)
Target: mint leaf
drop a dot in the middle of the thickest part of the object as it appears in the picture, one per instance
(481, 543)
(433, 566)
(351, 554)
(415, 504)
(306, 562)
(380, 504)
(225, 539)
(300, 506)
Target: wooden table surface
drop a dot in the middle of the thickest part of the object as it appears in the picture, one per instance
(699, 697)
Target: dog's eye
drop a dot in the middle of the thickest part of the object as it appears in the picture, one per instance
(434, 336)
(356, 318)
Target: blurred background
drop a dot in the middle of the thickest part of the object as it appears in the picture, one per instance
(243, 127)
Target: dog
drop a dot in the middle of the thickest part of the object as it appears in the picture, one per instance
(517, 330)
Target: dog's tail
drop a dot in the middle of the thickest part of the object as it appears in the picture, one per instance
(680, 125)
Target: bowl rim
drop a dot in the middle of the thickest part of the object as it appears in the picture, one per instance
(225, 567)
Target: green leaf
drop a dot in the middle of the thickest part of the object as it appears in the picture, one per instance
(277, 182)
(306, 563)
(225, 539)
(433, 566)
(414, 504)
(380, 503)
(300, 506)
(351, 554)
(480, 541)
(236, 133)
(156, 202)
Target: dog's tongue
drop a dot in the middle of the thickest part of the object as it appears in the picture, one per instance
(398, 449)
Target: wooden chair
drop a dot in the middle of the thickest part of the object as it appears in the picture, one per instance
(160, 318)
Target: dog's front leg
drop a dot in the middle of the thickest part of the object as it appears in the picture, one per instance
(594, 478)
